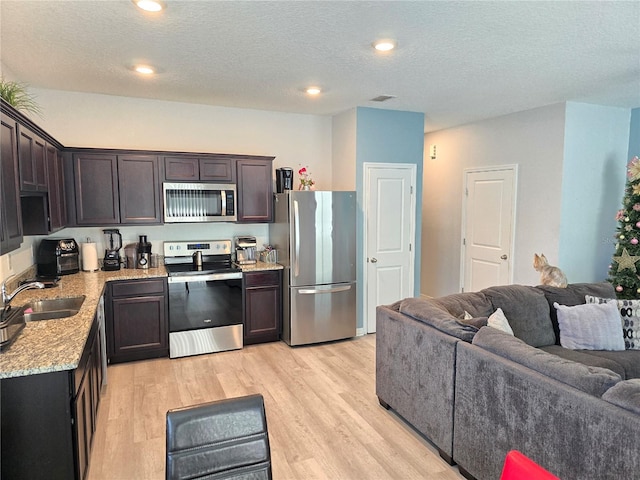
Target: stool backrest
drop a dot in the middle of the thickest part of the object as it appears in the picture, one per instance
(228, 438)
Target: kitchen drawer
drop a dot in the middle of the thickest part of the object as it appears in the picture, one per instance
(260, 279)
(138, 288)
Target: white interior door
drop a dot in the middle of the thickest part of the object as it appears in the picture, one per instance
(389, 235)
(488, 227)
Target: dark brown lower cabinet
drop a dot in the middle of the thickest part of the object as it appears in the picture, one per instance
(49, 419)
(137, 320)
(262, 306)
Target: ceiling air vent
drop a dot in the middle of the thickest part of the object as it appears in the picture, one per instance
(382, 98)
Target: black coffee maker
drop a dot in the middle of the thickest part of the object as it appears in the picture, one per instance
(284, 179)
(143, 252)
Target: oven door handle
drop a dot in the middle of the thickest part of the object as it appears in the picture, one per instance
(204, 278)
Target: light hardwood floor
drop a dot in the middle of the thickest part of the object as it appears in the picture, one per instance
(323, 416)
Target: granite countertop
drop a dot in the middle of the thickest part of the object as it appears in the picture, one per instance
(259, 266)
(55, 345)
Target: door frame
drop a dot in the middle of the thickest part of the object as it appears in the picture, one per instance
(367, 167)
(463, 248)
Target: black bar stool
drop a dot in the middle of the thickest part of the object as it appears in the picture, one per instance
(225, 439)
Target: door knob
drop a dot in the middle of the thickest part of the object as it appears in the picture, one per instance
(374, 260)
(504, 257)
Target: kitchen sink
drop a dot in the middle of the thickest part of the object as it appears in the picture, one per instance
(54, 308)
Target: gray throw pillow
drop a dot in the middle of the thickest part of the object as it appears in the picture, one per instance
(629, 318)
(590, 327)
(625, 394)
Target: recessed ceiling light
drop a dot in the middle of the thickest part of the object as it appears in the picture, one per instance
(313, 90)
(144, 69)
(149, 5)
(384, 45)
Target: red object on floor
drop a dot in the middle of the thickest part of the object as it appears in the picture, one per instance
(519, 467)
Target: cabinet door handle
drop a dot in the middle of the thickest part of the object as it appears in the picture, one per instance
(374, 260)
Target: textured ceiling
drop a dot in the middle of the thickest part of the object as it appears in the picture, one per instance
(456, 61)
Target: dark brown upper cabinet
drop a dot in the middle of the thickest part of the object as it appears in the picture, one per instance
(139, 187)
(32, 161)
(211, 168)
(255, 189)
(57, 193)
(10, 216)
(96, 188)
(117, 189)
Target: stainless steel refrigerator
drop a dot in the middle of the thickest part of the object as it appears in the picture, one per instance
(315, 236)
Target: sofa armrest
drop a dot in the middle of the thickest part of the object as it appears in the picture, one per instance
(625, 394)
(589, 379)
(415, 368)
(429, 312)
(502, 405)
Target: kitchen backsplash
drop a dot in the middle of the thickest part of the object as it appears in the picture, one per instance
(17, 262)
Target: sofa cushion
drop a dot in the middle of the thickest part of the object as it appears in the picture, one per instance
(592, 380)
(473, 303)
(477, 322)
(589, 358)
(590, 327)
(573, 294)
(527, 311)
(625, 394)
(629, 360)
(431, 313)
(629, 318)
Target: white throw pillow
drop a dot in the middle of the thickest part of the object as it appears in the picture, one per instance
(590, 327)
(629, 311)
(499, 321)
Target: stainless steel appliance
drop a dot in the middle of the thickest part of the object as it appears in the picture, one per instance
(284, 179)
(57, 256)
(113, 242)
(314, 233)
(199, 202)
(245, 250)
(205, 301)
(143, 255)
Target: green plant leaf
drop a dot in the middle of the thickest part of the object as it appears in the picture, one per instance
(16, 95)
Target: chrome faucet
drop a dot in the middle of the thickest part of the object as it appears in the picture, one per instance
(7, 297)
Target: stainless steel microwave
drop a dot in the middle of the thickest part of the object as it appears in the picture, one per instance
(199, 202)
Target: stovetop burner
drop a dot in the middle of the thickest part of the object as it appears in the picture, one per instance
(181, 258)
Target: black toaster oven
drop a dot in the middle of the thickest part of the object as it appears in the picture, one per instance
(57, 256)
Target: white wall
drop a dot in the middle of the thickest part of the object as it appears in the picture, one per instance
(344, 137)
(531, 139)
(103, 121)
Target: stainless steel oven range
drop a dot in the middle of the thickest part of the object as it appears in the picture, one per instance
(205, 298)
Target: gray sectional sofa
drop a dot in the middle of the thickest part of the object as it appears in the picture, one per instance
(477, 393)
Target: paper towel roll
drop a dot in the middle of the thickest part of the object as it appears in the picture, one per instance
(89, 257)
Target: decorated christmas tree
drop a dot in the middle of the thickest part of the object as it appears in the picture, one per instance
(624, 270)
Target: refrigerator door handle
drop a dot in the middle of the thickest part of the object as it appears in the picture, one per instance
(296, 241)
(314, 291)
